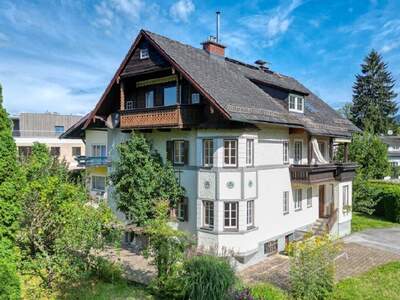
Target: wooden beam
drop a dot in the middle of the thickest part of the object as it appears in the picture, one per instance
(346, 152)
(122, 95)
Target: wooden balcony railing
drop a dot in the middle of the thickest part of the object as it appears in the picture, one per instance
(311, 174)
(177, 116)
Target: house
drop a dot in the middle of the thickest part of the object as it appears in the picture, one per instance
(252, 148)
(393, 144)
(46, 128)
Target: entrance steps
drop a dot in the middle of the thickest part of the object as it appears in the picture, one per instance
(320, 226)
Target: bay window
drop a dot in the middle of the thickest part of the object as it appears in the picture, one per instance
(231, 215)
(230, 153)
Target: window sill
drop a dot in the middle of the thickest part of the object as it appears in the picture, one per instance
(299, 209)
(207, 228)
(285, 213)
(309, 206)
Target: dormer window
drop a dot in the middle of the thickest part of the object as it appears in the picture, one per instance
(144, 53)
(296, 103)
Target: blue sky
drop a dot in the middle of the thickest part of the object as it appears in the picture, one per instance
(59, 55)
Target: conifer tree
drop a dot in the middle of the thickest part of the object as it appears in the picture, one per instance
(374, 106)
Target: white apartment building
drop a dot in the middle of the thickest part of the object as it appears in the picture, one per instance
(252, 148)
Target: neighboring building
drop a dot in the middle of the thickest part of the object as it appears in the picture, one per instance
(46, 128)
(251, 147)
(393, 143)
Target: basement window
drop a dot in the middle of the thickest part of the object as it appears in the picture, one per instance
(144, 53)
(296, 103)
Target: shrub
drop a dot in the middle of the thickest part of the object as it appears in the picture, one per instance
(208, 277)
(266, 291)
(9, 279)
(107, 271)
(312, 268)
(388, 199)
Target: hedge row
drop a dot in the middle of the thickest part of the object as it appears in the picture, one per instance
(387, 197)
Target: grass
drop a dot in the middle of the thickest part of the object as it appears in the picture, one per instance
(379, 283)
(267, 291)
(361, 222)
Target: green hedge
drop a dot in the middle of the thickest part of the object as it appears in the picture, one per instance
(387, 199)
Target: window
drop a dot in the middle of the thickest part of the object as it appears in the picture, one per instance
(297, 199)
(296, 103)
(208, 214)
(249, 152)
(149, 96)
(129, 105)
(170, 95)
(99, 151)
(309, 197)
(271, 247)
(285, 202)
(24, 151)
(322, 149)
(59, 129)
(195, 98)
(285, 152)
(394, 163)
(230, 153)
(144, 53)
(76, 151)
(346, 196)
(298, 152)
(250, 213)
(231, 215)
(98, 183)
(208, 153)
(182, 209)
(55, 151)
(179, 152)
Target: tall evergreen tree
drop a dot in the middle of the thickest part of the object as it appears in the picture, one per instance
(374, 107)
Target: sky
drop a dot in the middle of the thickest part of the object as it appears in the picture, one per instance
(59, 55)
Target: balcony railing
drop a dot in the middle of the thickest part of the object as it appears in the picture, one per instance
(311, 174)
(176, 116)
(91, 161)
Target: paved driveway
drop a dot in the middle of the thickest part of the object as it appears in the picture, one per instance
(387, 239)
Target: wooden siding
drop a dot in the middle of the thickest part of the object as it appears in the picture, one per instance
(312, 174)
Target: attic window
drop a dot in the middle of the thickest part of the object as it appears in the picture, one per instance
(144, 53)
(296, 103)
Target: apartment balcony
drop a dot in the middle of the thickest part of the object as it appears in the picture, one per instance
(92, 161)
(176, 116)
(312, 174)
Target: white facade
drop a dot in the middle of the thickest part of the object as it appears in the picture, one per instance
(247, 196)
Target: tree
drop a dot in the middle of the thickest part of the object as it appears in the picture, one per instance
(374, 107)
(141, 179)
(345, 111)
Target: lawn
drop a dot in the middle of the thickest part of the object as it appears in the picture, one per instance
(361, 222)
(379, 283)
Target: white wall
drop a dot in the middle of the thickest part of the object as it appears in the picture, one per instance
(95, 137)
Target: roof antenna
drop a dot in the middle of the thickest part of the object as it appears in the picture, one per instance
(218, 17)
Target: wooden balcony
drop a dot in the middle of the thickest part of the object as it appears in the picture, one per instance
(312, 174)
(177, 116)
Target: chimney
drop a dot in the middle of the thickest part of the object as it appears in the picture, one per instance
(212, 45)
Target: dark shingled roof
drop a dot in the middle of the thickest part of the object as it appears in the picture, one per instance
(235, 86)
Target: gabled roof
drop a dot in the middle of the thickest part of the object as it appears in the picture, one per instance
(236, 89)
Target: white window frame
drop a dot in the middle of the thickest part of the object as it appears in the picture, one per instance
(208, 214)
(179, 152)
(298, 199)
(96, 150)
(345, 195)
(271, 244)
(285, 146)
(149, 101)
(144, 53)
(249, 152)
(309, 197)
(250, 213)
(195, 98)
(129, 105)
(232, 147)
(296, 103)
(296, 161)
(286, 208)
(324, 153)
(231, 213)
(208, 152)
(92, 181)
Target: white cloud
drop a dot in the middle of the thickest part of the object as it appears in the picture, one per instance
(181, 10)
(3, 40)
(131, 8)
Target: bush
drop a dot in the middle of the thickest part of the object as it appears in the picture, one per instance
(260, 291)
(9, 280)
(107, 271)
(208, 277)
(388, 200)
(312, 268)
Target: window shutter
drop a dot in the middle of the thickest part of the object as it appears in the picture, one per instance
(186, 152)
(186, 208)
(170, 151)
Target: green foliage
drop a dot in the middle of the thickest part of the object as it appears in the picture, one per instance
(360, 222)
(107, 271)
(167, 247)
(266, 291)
(10, 287)
(345, 111)
(387, 197)
(312, 268)
(374, 106)
(208, 277)
(364, 196)
(60, 229)
(141, 179)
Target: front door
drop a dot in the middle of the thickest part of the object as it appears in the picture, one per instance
(321, 201)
